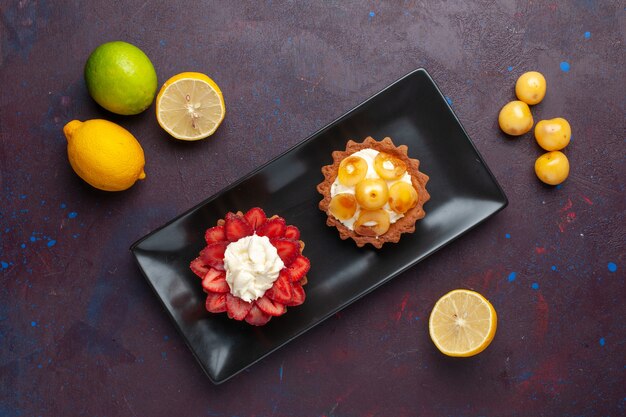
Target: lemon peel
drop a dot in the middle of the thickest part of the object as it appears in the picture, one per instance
(104, 154)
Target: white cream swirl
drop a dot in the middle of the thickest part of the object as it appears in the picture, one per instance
(252, 265)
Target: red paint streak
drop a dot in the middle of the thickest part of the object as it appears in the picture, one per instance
(546, 376)
(347, 394)
(567, 205)
(567, 218)
(541, 317)
(487, 279)
(405, 299)
(540, 251)
(587, 200)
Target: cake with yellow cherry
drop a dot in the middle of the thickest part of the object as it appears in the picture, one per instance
(373, 192)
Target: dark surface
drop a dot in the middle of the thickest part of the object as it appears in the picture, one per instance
(413, 112)
(82, 333)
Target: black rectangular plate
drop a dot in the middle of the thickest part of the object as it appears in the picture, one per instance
(412, 111)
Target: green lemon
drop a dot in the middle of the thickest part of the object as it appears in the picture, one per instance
(121, 78)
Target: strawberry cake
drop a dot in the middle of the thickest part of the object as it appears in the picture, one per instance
(252, 267)
(373, 192)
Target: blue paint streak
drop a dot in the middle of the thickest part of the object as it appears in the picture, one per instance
(508, 236)
(512, 276)
(509, 69)
(612, 266)
(72, 215)
(558, 187)
(534, 286)
(553, 267)
(449, 100)
(162, 42)
(587, 35)
(63, 205)
(33, 324)
(23, 245)
(23, 196)
(51, 243)
(372, 14)
(602, 341)
(280, 373)
(4, 265)
(564, 66)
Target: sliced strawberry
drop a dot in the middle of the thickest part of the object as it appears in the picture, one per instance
(215, 281)
(272, 228)
(292, 232)
(236, 227)
(273, 308)
(257, 317)
(198, 267)
(216, 303)
(237, 308)
(287, 249)
(213, 255)
(297, 295)
(255, 217)
(299, 267)
(281, 290)
(215, 234)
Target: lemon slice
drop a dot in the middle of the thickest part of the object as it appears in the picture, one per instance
(462, 323)
(190, 106)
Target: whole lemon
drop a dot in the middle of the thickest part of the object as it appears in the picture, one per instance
(121, 78)
(104, 154)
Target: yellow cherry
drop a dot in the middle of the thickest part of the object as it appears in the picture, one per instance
(372, 193)
(352, 170)
(515, 118)
(372, 223)
(343, 206)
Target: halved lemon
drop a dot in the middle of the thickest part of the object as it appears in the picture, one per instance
(462, 323)
(190, 106)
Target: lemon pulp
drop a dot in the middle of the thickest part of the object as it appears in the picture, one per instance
(462, 323)
(190, 106)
